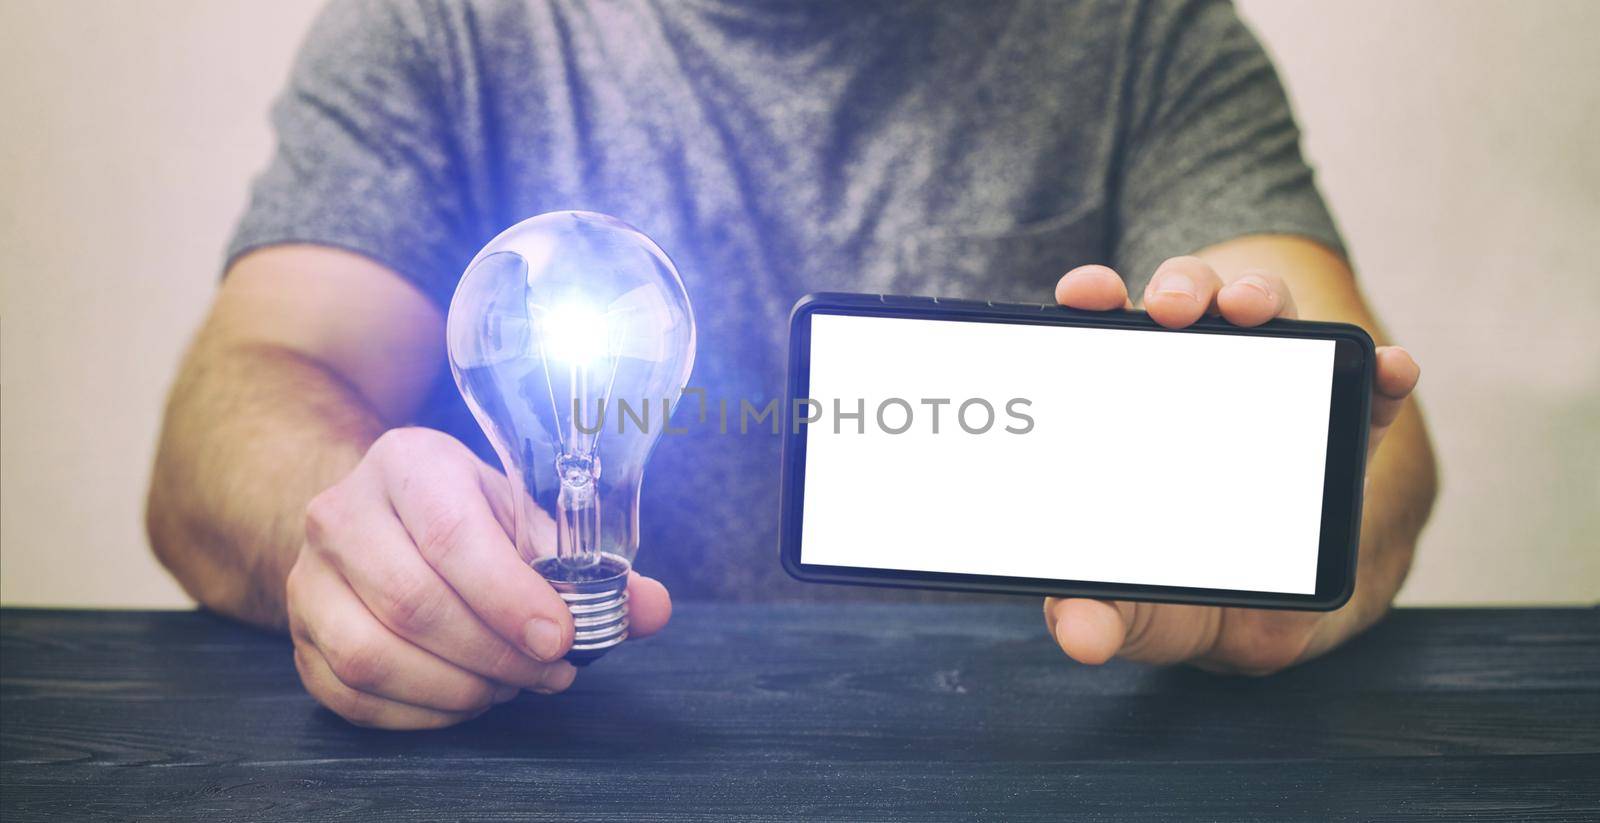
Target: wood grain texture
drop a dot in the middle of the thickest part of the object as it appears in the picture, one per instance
(856, 712)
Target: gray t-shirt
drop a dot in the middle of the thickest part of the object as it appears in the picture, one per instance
(774, 148)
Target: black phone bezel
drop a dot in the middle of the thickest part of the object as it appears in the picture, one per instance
(1349, 413)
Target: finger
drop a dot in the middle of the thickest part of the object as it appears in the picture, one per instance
(1092, 631)
(364, 541)
(1263, 641)
(1092, 288)
(649, 605)
(540, 526)
(365, 709)
(1256, 297)
(1181, 291)
(497, 490)
(365, 656)
(1394, 378)
(1089, 631)
(439, 500)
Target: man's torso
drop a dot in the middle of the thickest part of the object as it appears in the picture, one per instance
(774, 149)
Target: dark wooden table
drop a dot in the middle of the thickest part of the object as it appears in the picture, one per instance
(804, 712)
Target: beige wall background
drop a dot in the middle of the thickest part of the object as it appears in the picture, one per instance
(1456, 140)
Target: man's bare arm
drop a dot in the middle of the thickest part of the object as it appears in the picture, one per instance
(1402, 477)
(1248, 281)
(308, 354)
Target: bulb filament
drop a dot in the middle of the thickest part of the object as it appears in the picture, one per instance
(582, 339)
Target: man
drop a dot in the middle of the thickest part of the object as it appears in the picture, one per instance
(317, 470)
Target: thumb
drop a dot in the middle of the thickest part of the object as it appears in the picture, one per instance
(1094, 631)
(649, 605)
(1089, 631)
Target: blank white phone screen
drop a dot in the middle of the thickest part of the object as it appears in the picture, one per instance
(1170, 459)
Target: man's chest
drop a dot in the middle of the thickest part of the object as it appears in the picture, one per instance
(899, 171)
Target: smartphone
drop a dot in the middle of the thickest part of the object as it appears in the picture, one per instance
(1036, 449)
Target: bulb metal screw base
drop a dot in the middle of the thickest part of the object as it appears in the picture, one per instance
(597, 595)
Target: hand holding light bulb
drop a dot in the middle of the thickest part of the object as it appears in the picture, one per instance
(414, 604)
(408, 604)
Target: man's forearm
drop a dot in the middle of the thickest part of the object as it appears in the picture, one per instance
(1401, 478)
(252, 433)
(1402, 481)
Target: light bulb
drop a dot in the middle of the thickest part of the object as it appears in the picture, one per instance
(571, 338)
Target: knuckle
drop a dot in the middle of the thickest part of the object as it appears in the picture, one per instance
(359, 664)
(413, 605)
(441, 532)
(361, 709)
(343, 702)
(508, 665)
(1139, 628)
(353, 706)
(323, 513)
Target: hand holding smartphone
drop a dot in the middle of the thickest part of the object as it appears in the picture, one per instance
(1036, 449)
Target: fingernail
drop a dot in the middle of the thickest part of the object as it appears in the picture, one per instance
(1178, 284)
(558, 677)
(543, 638)
(505, 693)
(1258, 284)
